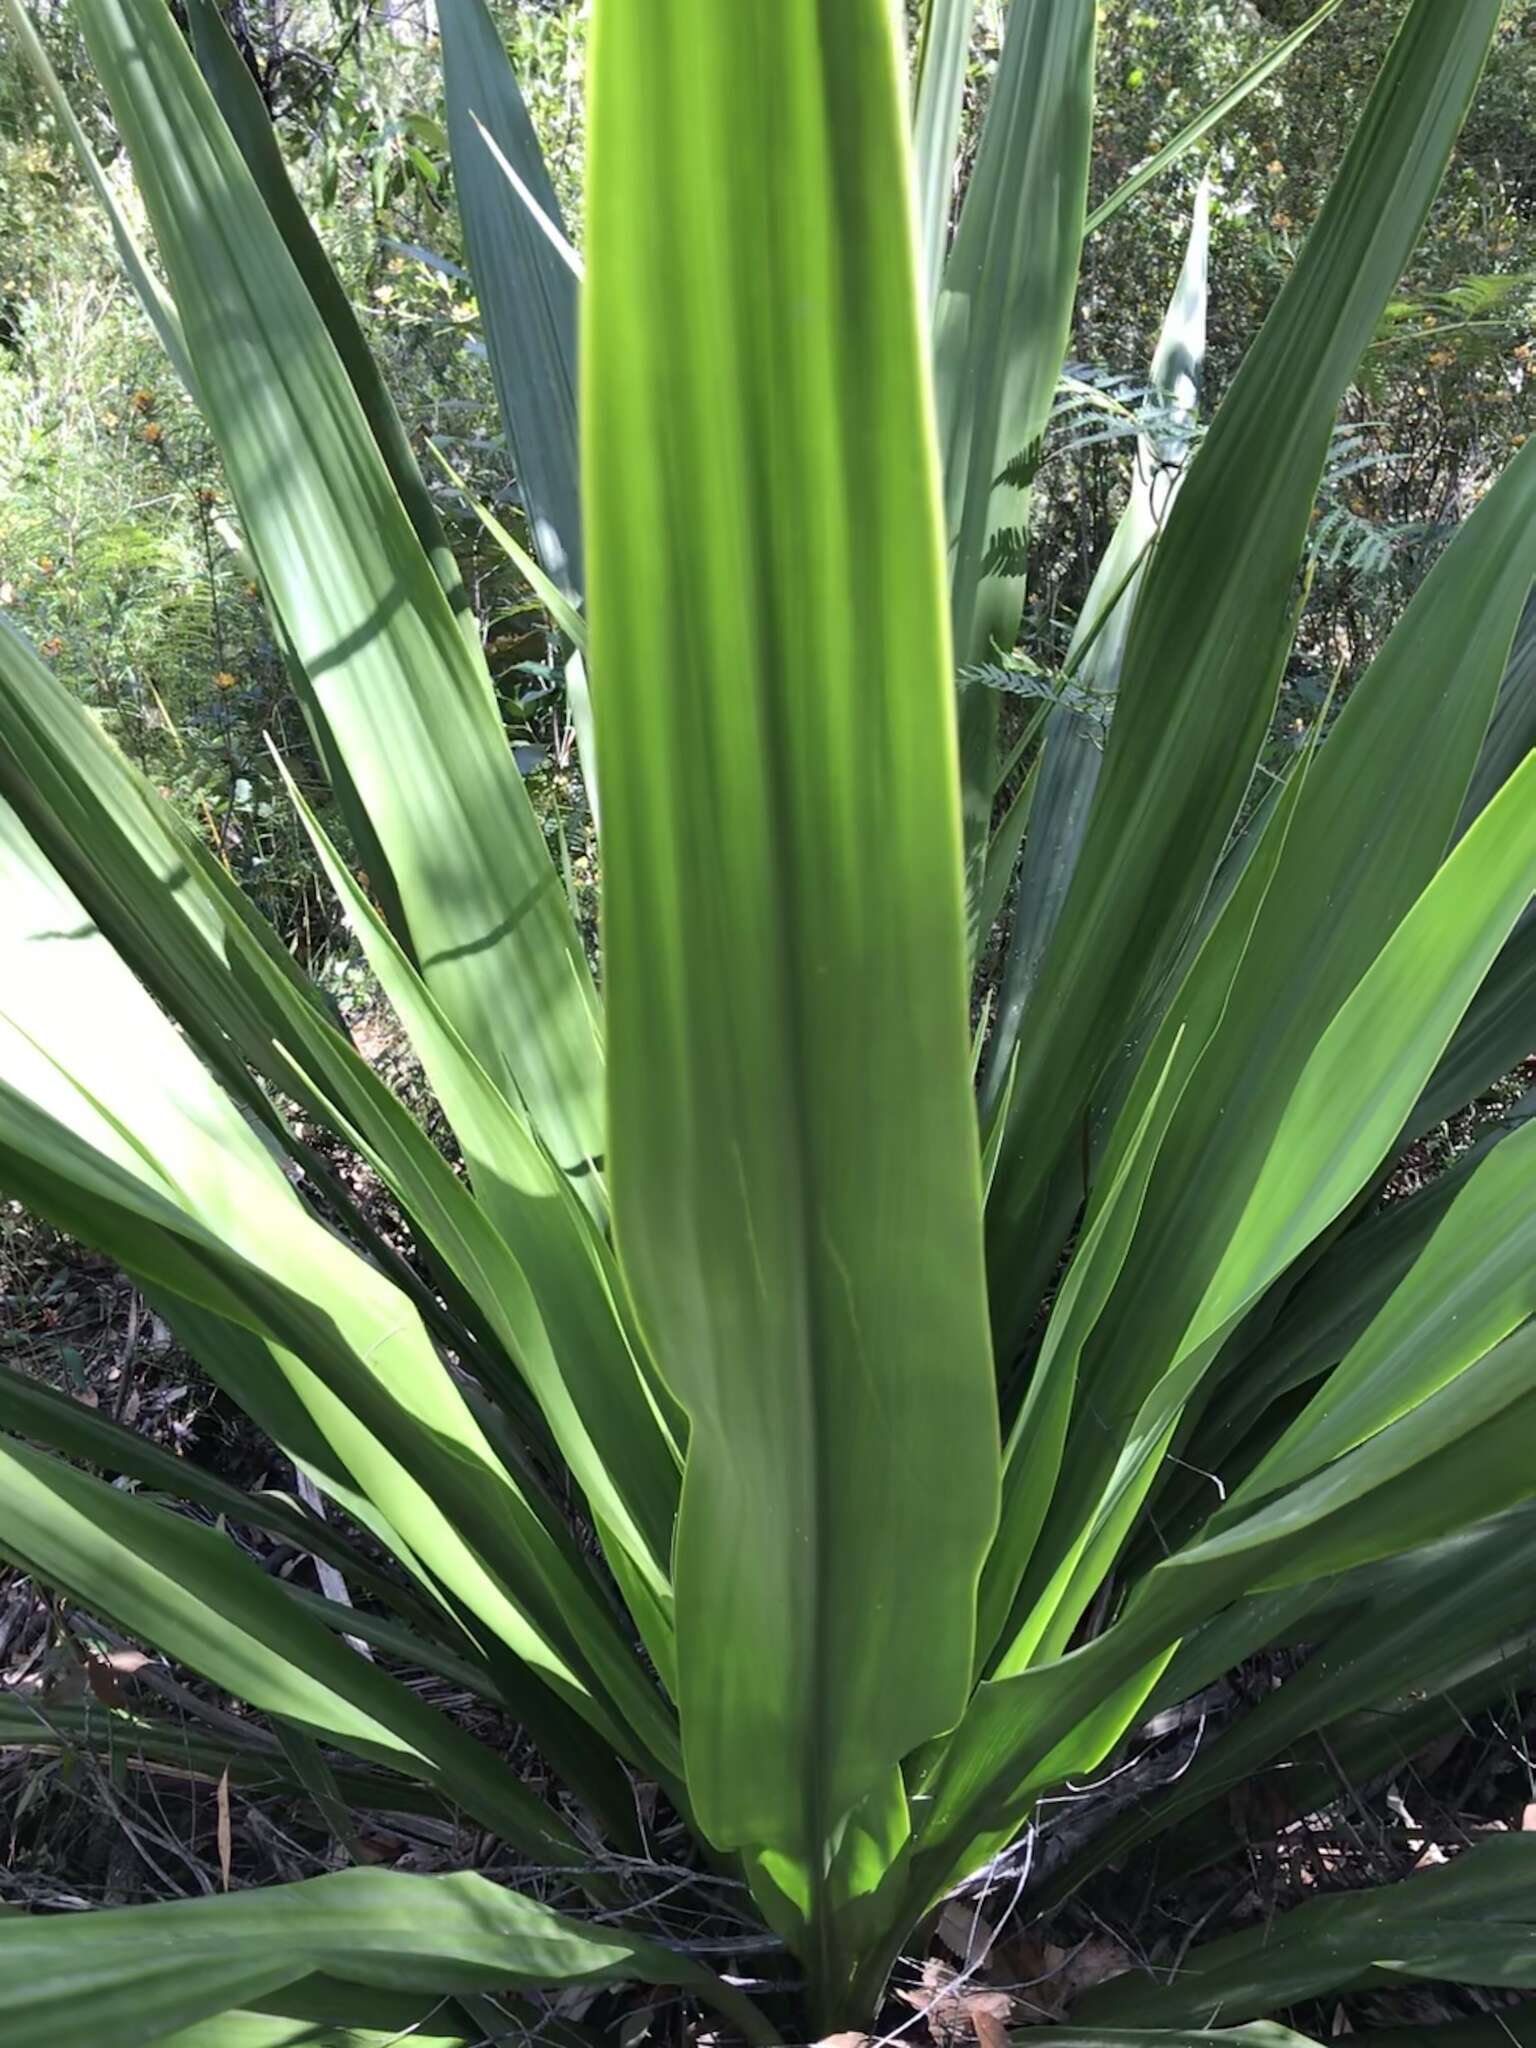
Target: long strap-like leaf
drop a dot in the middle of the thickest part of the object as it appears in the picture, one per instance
(560, 1295)
(1473, 1920)
(240, 102)
(139, 1973)
(187, 1590)
(1372, 823)
(1471, 1439)
(1210, 634)
(794, 1163)
(1440, 1626)
(940, 89)
(405, 700)
(526, 288)
(121, 1135)
(1000, 332)
(1073, 743)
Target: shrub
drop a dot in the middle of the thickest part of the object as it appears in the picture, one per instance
(927, 1458)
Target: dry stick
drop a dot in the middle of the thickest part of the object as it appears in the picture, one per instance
(125, 1356)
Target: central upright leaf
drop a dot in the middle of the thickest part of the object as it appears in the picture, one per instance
(793, 1154)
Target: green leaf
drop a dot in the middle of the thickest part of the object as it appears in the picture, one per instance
(1395, 1637)
(324, 2014)
(190, 1592)
(1386, 1033)
(252, 1373)
(122, 1136)
(29, 1408)
(124, 1739)
(1472, 1920)
(1372, 1057)
(1003, 855)
(526, 289)
(405, 699)
(382, 1632)
(560, 1293)
(140, 1972)
(1073, 747)
(1020, 1621)
(193, 938)
(1401, 754)
(1000, 332)
(1210, 634)
(784, 939)
(1325, 1309)
(1512, 729)
(942, 60)
(1494, 1036)
(1424, 1478)
(245, 113)
(1499, 1029)
(1412, 1482)
(567, 619)
(1473, 1283)
(1034, 1443)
